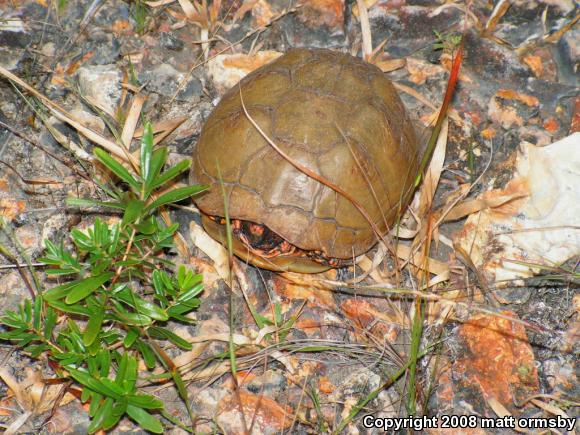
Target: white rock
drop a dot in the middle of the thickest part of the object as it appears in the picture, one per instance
(101, 85)
(543, 228)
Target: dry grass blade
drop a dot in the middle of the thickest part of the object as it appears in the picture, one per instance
(67, 143)
(550, 408)
(555, 37)
(33, 395)
(188, 9)
(365, 26)
(156, 4)
(132, 120)
(33, 181)
(465, 258)
(501, 411)
(162, 129)
(64, 116)
(389, 65)
(13, 384)
(429, 186)
(498, 12)
(412, 92)
(14, 427)
(466, 208)
(214, 250)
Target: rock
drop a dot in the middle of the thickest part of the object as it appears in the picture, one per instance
(13, 291)
(268, 417)
(270, 383)
(29, 240)
(226, 70)
(13, 33)
(168, 41)
(101, 85)
(537, 226)
(166, 80)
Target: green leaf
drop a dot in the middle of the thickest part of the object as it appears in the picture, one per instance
(93, 326)
(130, 338)
(101, 414)
(130, 378)
(113, 386)
(171, 173)
(133, 319)
(82, 240)
(163, 333)
(146, 153)
(142, 306)
(95, 399)
(180, 385)
(117, 169)
(50, 318)
(157, 161)
(114, 240)
(119, 409)
(147, 353)
(37, 313)
(54, 272)
(190, 294)
(144, 419)
(184, 307)
(26, 310)
(82, 202)
(175, 195)
(122, 369)
(88, 381)
(104, 359)
(132, 212)
(71, 309)
(86, 287)
(13, 320)
(36, 349)
(145, 401)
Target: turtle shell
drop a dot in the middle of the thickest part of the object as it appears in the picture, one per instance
(331, 112)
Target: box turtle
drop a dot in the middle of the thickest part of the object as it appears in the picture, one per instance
(331, 112)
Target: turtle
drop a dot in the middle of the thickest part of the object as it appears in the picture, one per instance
(331, 112)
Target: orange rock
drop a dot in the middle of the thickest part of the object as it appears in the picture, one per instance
(121, 26)
(308, 326)
(365, 315)
(325, 386)
(488, 133)
(305, 289)
(535, 64)
(507, 116)
(498, 360)
(551, 125)
(576, 117)
(328, 13)
(267, 415)
(10, 208)
(510, 94)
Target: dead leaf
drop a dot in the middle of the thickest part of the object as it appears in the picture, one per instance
(214, 250)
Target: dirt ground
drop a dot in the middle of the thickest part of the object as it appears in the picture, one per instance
(497, 342)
